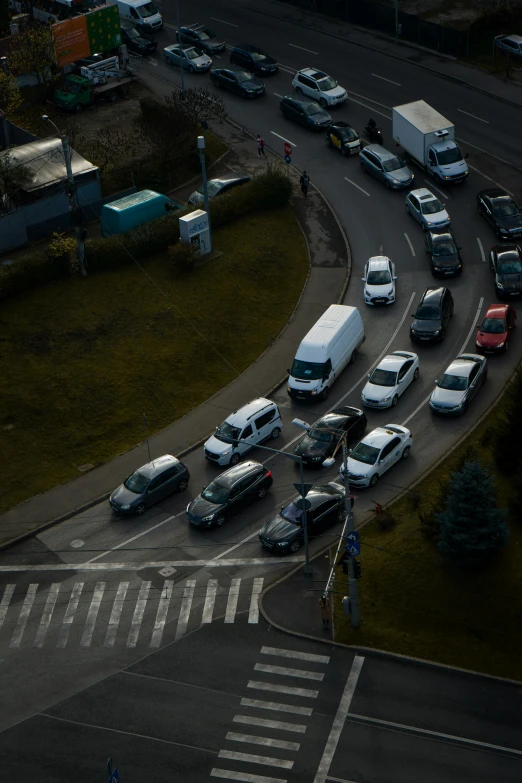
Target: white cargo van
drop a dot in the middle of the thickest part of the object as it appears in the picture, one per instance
(142, 13)
(325, 351)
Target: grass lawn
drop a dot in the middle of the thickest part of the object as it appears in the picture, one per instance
(413, 602)
(86, 358)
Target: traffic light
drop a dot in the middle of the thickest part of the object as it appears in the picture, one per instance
(356, 569)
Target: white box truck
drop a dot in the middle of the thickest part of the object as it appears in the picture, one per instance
(324, 353)
(429, 139)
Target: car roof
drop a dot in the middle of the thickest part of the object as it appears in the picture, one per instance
(492, 193)
(432, 295)
(301, 101)
(423, 194)
(517, 38)
(313, 73)
(223, 180)
(379, 262)
(443, 236)
(336, 418)
(392, 362)
(497, 311)
(250, 409)
(318, 494)
(379, 437)
(341, 125)
(506, 251)
(461, 367)
(380, 152)
(157, 466)
(239, 471)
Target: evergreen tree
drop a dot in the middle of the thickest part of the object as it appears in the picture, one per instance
(471, 525)
(506, 440)
(5, 18)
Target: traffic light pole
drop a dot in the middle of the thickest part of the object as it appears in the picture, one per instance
(353, 587)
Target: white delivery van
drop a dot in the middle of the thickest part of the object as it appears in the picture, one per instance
(325, 351)
(142, 13)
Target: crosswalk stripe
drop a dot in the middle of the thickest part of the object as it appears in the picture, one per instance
(244, 777)
(47, 614)
(210, 599)
(252, 739)
(270, 686)
(186, 605)
(268, 761)
(161, 614)
(247, 720)
(274, 705)
(114, 620)
(233, 595)
(23, 616)
(137, 617)
(69, 614)
(301, 656)
(92, 614)
(257, 587)
(4, 604)
(286, 672)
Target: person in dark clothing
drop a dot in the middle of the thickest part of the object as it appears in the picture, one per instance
(304, 182)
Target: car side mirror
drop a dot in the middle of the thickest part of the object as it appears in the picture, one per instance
(288, 371)
(413, 315)
(466, 155)
(478, 326)
(458, 247)
(363, 279)
(204, 487)
(401, 380)
(395, 277)
(436, 382)
(369, 374)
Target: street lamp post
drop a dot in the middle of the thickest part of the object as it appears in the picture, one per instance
(73, 200)
(201, 149)
(180, 49)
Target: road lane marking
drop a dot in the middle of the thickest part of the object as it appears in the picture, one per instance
(431, 185)
(233, 595)
(246, 720)
(114, 620)
(217, 561)
(161, 614)
(276, 706)
(257, 587)
(306, 693)
(481, 249)
(386, 80)
(92, 614)
(473, 325)
(267, 761)
(285, 671)
(210, 600)
(23, 616)
(357, 186)
(47, 614)
(69, 615)
(277, 96)
(186, 605)
(134, 538)
(301, 656)
(302, 48)
(244, 777)
(215, 19)
(283, 139)
(473, 115)
(6, 599)
(137, 617)
(408, 240)
(339, 720)
(255, 740)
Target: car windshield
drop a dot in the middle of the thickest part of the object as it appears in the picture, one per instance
(226, 432)
(383, 377)
(192, 54)
(137, 483)
(453, 382)
(292, 514)
(213, 186)
(348, 133)
(429, 207)
(449, 156)
(147, 10)
(203, 36)
(393, 164)
(258, 57)
(215, 493)
(318, 433)
(445, 247)
(504, 207)
(132, 33)
(243, 76)
(313, 108)
(428, 313)
(378, 277)
(511, 267)
(365, 453)
(309, 371)
(327, 84)
(493, 326)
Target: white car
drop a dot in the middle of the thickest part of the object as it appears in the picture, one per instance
(376, 453)
(379, 281)
(427, 209)
(318, 86)
(255, 422)
(390, 379)
(190, 59)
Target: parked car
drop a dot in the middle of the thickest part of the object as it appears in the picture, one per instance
(426, 209)
(511, 44)
(136, 41)
(216, 187)
(255, 422)
(253, 59)
(343, 137)
(325, 506)
(228, 494)
(506, 262)
(201, 37)
(433, 315)
(390, 379)
(187, 57)
(494, 333)
(323, 438)
(376, 453)
(304, 112)
(239, 82)
(149, 484)
(444, 253)
(501, 212)
(459, 384)
(379, 281)
(385, 166)
(318, 86)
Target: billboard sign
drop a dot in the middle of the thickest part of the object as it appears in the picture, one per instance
(81, 36)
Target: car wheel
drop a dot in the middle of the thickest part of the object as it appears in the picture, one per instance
(416, 374)
(506, 345)
(78, 108)
(352, 357)
(395, 400)
(407, 209)
(190, 69)
(168, 61)
(464, 408)
(323, 104)
(275, 433)
(387, 183)
(262, 493)
(485, 376)
(442, 336)
(220, 520)
(234, 459)
(298, 90)
(374, 479)
(329, 141)
(406, 452)
(326, 393)
(345, 152)
(183, 484)
(295, 546)
(364, 167)
(140, 509)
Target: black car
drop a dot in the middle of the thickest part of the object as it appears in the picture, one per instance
(136, 41)
(506, 262)
(501, 212)
(307, 113)
(201, 37)
(253, 59)
(444, 253)
(149, 484)
(344, 138)
(433, 316)
(325, 506)
(228, 493)
(240, 82)
(322, 440)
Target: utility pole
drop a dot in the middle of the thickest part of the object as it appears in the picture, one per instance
(305, 515)
(76, 213)
(353, 588)
(182, 69)
(201, 150)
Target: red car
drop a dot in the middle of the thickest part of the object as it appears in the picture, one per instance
(495, 330)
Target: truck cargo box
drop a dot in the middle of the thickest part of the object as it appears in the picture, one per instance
(127, 213)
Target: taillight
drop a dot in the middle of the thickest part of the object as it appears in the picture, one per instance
(269, 474)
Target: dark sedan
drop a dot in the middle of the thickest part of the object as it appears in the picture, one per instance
(444, 253)
(253, 59)
(149, 484)
(506, 262)
(344, 138)
(240, 82)
(432, 315)
(200, 36)
(325, 506)
(323, 439)
(136, 41)
(307, 113)
(228, 493)
(501, 212)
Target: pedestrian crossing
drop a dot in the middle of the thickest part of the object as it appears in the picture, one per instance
(274, 735)
(121, 614)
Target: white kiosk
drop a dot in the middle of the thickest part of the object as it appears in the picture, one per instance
(193, 229)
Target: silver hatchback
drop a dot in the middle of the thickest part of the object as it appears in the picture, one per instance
(459, 384)
(385, 166)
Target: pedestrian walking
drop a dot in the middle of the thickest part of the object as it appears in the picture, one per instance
(324, 608)
(260, 146)
(304, 182)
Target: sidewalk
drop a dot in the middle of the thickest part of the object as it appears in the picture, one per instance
(329, 273)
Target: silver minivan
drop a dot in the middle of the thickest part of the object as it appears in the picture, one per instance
(385, 166)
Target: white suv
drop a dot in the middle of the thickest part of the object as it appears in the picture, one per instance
(255, 422)
(318, 86)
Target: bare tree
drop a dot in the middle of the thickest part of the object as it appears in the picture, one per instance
(198, 105)
(33, 51)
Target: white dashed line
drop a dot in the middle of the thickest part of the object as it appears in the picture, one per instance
(473, 325)
(481, 250)
(357, 186)
(283, 138)
(386, 80)
(303, 49)
(473, 115)
(277, 96)
(215, 19)
(408, 240)
(431, 185)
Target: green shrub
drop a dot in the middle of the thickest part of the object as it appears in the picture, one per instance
(182, 256)
(29, 272)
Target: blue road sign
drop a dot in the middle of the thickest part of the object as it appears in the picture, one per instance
(115, 776)
(353, 549)
(353, 536)
(288, 159)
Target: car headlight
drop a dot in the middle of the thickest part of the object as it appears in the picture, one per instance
(208, 519)
(314, 391)
(436, 332)
(316, 459)
(283, 543)
(125, 507)
(225, 453)
(504, 231)
(499, 284)
(501, 345)
(390, 292)
(386, 399)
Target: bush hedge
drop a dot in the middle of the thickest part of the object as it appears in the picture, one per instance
(28, 272)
